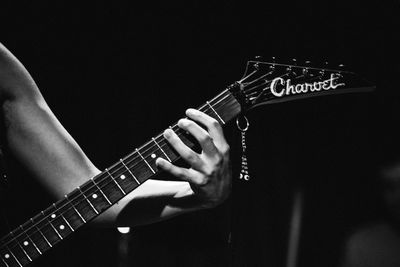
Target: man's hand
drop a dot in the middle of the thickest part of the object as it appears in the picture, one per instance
(210, 172)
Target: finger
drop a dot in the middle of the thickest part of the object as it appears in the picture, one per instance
(200, 134)
(188, 175)
(212, 125)
(183, 150)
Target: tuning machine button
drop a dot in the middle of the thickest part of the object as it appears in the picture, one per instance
(272, 66)
(305, 70)
(322, 71)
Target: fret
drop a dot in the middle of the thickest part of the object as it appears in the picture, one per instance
(55, 223)
(52, 226)
(23, 250)
(8, 257)
(90, 203)
(84, 209)
(25, 243)
(65, 220)
(57, 220)
(145, 161)
(41, 233)
(41, 222)
(162, 150)
(219, 117)
(4, 262)
(119, 187)
(101, 191)
(133, 176)
(30, 240)
(228, 108)
(14, 244)
(150, 153)
(12, 254)
(95, 196)
(77, 212)
(108, 186)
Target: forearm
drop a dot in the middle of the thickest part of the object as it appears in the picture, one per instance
(35, 136)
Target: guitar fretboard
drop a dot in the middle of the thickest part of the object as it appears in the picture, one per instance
(52, 225)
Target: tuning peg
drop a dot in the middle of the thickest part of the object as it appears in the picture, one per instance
(272, 67)
(341, 67)
(307, 64)
(322, 72)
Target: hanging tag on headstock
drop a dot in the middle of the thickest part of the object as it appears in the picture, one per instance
(243, 125)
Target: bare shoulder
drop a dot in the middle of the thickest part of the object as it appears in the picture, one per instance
(15, 81)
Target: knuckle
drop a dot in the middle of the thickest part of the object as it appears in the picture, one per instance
(225, 149)
(181, 174)
(203, 181)
(166, 167)
(191, 157)
(210, 171)
(205, 139)
(214, 123)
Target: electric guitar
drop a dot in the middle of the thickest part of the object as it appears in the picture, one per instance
(262, 83)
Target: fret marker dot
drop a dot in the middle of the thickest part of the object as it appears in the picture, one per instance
(53, 216)
(94, 196)
(62, 227)
(7, 256)
(123, 177)
(153, 156)
(26, 243)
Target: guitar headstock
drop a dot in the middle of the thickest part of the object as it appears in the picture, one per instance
(267, 83)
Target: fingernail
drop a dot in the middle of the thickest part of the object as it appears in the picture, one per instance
(167, 133)
(159, 162)
(191, 112)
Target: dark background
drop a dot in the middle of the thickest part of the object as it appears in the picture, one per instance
(116, 73)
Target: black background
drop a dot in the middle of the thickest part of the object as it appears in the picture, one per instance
(116, 73)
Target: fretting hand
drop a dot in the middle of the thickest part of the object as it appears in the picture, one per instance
(210, 173)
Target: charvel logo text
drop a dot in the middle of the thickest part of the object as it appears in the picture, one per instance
(281, 87)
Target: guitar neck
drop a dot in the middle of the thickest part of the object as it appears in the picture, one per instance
(52, 225)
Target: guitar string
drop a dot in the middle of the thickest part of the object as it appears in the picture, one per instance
(108, 176)
(62, 210)
(152, 146)
(266, 83)
(162, 144)
(130, 159)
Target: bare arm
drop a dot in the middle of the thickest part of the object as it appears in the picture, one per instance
(41, 143)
